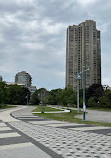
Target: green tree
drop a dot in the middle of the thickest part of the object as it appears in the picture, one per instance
(54, 97)
(91, 102)
(3, 93)
(17, 95)
(94, 91)
(105, 100)
(38, 95)
(35, 98)
(62, 96)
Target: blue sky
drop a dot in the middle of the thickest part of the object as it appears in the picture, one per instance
(33, 37)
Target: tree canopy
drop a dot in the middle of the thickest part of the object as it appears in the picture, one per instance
(13, 94)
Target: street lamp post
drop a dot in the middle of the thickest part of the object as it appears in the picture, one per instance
(84, 106)
(42, 111)
(27, 99)
(78, 78)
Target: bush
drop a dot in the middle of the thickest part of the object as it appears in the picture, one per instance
(2, 106)
(91, 102)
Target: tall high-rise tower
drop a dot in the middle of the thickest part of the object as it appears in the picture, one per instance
(83, 48)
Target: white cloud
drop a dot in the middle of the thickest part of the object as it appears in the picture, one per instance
(86, 2)
(16, 2)
(33, 36)
(47, 26)
(33, 46)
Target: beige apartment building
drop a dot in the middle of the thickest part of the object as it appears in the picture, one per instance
(83, 48)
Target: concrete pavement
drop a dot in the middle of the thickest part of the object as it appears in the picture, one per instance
(30, 137)
(97, 116)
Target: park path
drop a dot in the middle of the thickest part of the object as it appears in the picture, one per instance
(25, 135)
(97, 116)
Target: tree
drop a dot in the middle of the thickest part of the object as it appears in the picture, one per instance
(62, 96)
(34, 98)
(17, 94)
(54, 96)
(38, 95)
(3, 93)
(91, 102)
(95, 91)
(105, 100)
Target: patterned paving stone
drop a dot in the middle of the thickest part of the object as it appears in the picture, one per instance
(68, 143)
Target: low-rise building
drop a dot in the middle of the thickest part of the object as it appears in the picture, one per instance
(106, 87)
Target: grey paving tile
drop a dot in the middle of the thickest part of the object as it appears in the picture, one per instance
(12, 140)
(64, 141)
(24, 152)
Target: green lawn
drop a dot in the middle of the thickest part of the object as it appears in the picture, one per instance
(70, 117)
(7, 106)
(45, 109)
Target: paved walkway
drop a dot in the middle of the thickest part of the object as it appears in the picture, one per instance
(31, 137)
(97, 116)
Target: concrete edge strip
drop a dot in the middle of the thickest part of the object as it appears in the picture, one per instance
(36, 143)
(52, 112)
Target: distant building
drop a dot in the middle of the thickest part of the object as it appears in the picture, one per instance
(83, 48)
(1, 78)
(106, 87)
(23, 78)
(13, 83)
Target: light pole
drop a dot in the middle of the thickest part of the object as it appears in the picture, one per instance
(27, 99)
(84, 106)
(78, 78)
(42, 111)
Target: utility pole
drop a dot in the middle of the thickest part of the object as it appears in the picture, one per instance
(78, 78)
(84, 106)
(27, 99)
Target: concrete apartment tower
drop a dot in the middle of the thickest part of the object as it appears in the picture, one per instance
(83, 48)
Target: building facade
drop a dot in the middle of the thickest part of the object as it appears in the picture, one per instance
(23, 78)
(83, 48)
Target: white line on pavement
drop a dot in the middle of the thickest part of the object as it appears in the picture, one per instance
(9, 135)
(90, 128)
(5, 128)
(12, 146)
(2, 124)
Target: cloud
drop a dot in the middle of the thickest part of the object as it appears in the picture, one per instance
(86, 2)
(33, 37)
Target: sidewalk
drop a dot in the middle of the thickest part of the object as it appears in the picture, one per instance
(42, 138)
(97, 116)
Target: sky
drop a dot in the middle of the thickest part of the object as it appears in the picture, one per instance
(33, 37)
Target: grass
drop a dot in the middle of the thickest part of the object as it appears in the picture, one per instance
(70, 117)
(7, 106)
(45, 108)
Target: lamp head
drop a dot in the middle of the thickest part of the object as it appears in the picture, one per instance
(79, 77)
